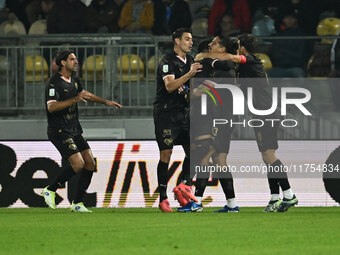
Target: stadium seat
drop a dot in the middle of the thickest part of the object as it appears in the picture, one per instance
(38, 28)
(328, 26)
(36, 69)
(267, 63)
(152, 66)
(264, 27)
(94, 68)
(12, 27)
(130, 68)
(200, 27)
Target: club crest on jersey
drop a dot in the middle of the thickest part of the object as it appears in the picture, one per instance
(72, 146)
(51, 92)
(165, 68)
(168, 141)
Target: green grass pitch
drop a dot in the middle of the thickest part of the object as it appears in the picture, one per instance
(148, 231)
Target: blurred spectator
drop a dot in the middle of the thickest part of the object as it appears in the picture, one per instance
(200, 8)
(137, 16)
(38, 9)
(289, 57)
(18, 8)
(328, 9)
(86, 2)
(120, 4)
(238, 8)
(306, 11)
(170, 15)
(4, 12)
(103, 16)
(67, 16)
(263, 9)
(226, 26)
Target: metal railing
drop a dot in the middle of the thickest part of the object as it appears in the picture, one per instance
(116, 67)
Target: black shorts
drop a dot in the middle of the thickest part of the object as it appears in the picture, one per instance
(171, 128)
(66, 143)
(221, 138)
(266, 136)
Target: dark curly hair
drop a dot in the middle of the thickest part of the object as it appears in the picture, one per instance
(249, 42)
(62, 55)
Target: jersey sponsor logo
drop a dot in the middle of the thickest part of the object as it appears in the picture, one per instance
(51, 92)
(165, 68)
(66, 90)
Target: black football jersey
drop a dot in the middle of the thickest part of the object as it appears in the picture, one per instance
(171, 64)
(60, 90)
(252, 74)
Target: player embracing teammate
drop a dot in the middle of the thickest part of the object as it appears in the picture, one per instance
(171, 114)
(252, 74)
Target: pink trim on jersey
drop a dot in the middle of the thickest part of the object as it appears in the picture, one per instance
(65, 79)
(182, 59)
(51, 101)
(168, 76)
(212, 64)
(243, 59)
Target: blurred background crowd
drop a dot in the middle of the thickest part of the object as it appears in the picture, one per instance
(161, 17)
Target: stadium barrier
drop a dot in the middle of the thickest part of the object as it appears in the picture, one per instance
(126, 174)
(123, 68)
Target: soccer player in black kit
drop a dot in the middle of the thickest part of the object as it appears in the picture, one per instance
(204, 136)
(171, 109)
(250, 67)
(63, 92)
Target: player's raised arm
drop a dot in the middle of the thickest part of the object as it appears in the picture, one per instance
(93, 98)
(172, 84)
(222, 56)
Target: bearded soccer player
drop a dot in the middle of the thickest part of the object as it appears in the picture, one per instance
(171, 116)
(63, 92)
(250, 67)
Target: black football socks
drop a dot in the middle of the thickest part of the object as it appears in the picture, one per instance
(162, 177)
(83, 183)
(65, 175)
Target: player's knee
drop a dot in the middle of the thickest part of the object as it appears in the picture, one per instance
(165, 155)
(202, 152)
(220, 159)
(78, 165)
(268, 156)
(90, 164)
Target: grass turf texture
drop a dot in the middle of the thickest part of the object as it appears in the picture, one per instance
(147, 231)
